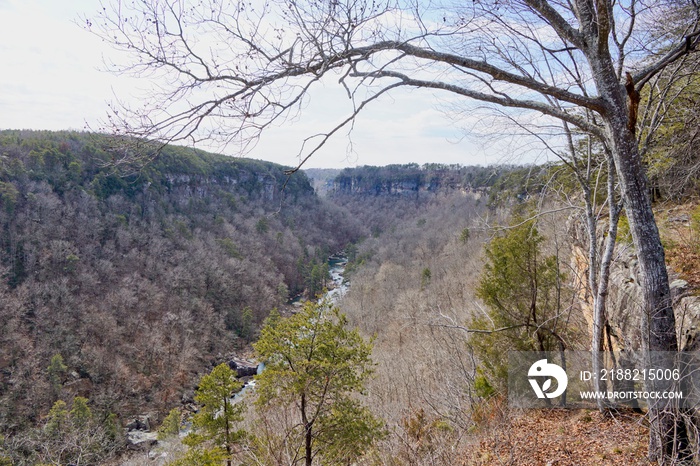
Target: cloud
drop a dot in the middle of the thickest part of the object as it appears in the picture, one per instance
(403, 127)
(50, 80)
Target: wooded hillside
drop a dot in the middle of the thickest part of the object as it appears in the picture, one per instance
(141, 279)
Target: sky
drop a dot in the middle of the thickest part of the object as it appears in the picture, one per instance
(51, 78)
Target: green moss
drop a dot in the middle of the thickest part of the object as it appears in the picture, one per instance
(482, 387)
(624, 235)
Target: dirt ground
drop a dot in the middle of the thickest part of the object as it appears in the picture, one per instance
(562, 438)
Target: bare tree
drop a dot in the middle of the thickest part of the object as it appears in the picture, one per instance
(229, 69)
(668, 118)
(588, 166)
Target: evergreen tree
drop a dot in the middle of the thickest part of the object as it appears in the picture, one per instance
(315, 366)
(522, 289)
(74, 436)
(56, 372)
(214, 434)
(170, 425)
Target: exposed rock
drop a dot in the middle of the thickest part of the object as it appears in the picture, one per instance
(678, 285)
(142, 441)
(188, 397)
(139, 423)
(405, 180)
(625, 301)
(243, 369)
(682, 218)
(688, 313)
(625, 297)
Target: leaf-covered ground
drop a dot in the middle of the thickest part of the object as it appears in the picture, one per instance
(562, 438)
(679, 226)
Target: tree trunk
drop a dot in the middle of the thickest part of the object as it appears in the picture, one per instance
(307, 432)
(228, 432)
(599, 284)
(307, 444)
(667, 434)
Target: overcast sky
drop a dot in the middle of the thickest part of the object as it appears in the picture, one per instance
(50, 78)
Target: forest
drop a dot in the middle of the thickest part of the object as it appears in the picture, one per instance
(123, 289)
(123, 285)
(138, 280)
(169, 306)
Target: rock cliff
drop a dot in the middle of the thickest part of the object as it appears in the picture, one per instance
(625, 298)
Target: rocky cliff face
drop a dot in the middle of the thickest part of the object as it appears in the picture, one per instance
(625, 298)
(411, 180)
(357, 185)
(263, 187)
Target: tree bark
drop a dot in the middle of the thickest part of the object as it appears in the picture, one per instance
(308, 437)
(228, 433)
(599, 284)
(668, 438)
(668, 434)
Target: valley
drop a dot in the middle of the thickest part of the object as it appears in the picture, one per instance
(125, 288)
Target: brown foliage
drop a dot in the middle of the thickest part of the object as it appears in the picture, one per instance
(560, 438)
(140, 286)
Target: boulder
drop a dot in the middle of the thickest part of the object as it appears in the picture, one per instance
(141, 441)
(242, 368)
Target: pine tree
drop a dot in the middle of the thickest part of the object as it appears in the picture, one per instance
(522, 289)
(315, 366)
(214, 434)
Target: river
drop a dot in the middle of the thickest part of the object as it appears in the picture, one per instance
(339, 287)
(337, 264)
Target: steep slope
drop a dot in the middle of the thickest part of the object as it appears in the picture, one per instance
(140, 280)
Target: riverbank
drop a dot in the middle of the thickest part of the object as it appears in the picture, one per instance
(143, 437)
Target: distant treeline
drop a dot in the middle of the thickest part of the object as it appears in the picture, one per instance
(414, 178)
